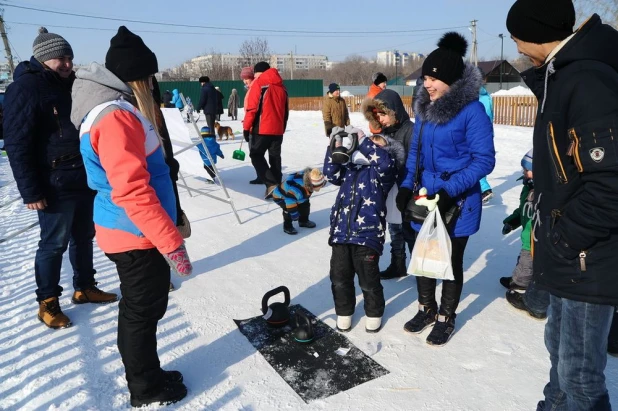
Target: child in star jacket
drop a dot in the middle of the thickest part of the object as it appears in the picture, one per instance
(358, 221)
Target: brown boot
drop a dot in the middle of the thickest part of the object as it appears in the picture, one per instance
(93, 295)
(51, 315)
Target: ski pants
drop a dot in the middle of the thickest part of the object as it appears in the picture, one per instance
(346, 260)
(144, 283)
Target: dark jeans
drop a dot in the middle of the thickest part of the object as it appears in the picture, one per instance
(346, 260)
(535, 299)
(64, 223)
(401, 234)
(269, 174)
(576, 338)
(144, 283)
(451, 290)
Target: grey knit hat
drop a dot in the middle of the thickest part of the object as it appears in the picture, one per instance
(48, 46)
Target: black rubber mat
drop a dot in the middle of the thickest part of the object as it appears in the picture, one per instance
(313, 370)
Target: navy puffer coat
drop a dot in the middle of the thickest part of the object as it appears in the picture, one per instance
(41, 141)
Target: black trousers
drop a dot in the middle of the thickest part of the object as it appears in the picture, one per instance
(144, 283)
(451, 290)
(346, 260)
(269, 172)
(210, 170)
(303, 210)
(210, 122)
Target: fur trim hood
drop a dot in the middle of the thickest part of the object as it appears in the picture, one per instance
(461, 93)
(389, 102)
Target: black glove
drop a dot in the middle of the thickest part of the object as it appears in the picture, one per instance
(329, 128)
(328, 132)
(506, 229)
(445, 203)
(246, 134)
(197, 111)
(403, 198)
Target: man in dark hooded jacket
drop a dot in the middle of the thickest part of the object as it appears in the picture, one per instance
(43, 148)
(386, 112)
(575, 80)
(208, 102)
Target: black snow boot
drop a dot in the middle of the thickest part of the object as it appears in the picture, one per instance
(288, 228)
(517, 300)
(442, 331)
(423, 319)
(306, 224)
(396, 269)
(508, 283)
(170, 393)
(612, 339)
(172, 376)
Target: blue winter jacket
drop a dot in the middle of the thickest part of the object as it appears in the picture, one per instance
(292, 192)
(485, 98)
(213, 148)
(457, 148)
(208, 99)
(176, 100)
(359, 213)
(40, 140)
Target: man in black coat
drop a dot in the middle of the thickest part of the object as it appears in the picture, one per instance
(43, 148)
(575, 80)
(208, 102)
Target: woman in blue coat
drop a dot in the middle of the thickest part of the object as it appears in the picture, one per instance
(456, 151)
(176, 100)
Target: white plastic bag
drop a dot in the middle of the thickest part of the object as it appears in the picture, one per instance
(431, 256)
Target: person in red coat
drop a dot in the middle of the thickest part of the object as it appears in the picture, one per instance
(266, 117)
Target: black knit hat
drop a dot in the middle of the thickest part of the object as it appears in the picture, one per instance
(204, 79)
(261, 67)
(332, 87)
(541, 22)
(129, 58)
(48, 46)
(446, 62)
(379, 78)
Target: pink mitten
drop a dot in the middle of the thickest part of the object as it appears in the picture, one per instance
(179, 261)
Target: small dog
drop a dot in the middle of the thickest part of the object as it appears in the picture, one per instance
(224, 131)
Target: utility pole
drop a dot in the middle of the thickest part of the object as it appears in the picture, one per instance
(291, 66)
(7, 47)
(501, 56)
(396, 64)
(473, 55)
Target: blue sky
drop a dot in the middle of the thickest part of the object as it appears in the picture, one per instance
(385, 28)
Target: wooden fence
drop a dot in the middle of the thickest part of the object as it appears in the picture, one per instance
(508, 110)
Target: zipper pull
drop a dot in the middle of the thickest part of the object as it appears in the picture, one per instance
(55, 111)
(571, 148)
(582, 260)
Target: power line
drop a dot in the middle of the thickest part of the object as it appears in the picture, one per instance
(224, 28)
(212, 33)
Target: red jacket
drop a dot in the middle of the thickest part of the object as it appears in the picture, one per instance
(267, 110)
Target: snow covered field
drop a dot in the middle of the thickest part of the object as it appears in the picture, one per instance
(496, 359)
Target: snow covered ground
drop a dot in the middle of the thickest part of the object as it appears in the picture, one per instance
(496, 359)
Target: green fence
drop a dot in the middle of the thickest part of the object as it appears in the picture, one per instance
(296, 88)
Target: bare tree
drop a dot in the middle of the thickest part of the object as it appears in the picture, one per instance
(254, 51)
(607, 9)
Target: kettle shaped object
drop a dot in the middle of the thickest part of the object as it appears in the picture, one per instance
(276, 314)
(303, 333)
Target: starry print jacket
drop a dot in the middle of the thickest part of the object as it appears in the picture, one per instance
(359, 213)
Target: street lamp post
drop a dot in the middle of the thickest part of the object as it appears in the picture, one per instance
(501, 56)
(396, 64)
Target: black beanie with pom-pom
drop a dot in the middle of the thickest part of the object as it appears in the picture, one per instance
(446, 62)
